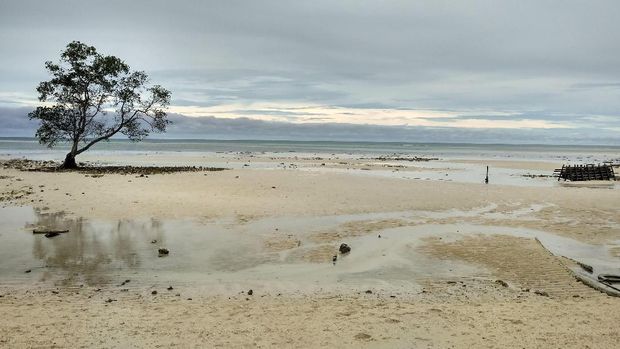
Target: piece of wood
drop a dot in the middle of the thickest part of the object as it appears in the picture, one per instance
(49, 231)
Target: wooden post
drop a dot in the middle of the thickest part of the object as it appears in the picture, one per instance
(486, 179)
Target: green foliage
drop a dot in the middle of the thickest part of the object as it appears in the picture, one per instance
(91, 97)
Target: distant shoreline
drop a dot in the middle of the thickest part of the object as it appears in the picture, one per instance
(280, 141)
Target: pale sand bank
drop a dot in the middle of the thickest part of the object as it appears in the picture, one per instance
(454, 310)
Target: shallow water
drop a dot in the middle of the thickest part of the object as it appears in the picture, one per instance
(223, 256)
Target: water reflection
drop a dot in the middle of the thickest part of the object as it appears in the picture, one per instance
(90, 249)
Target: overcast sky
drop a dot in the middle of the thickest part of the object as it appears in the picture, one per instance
(467, 71)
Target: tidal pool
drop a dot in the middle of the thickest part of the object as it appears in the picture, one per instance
(225, 255)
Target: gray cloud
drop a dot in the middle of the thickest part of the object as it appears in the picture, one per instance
(14, 123)
(543, 60)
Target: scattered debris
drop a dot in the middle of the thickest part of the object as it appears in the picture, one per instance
(608, 278)
(586, 267)
(397, 157)
(97, 171)
(51, 232)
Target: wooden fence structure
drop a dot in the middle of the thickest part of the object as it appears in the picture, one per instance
(589, 172)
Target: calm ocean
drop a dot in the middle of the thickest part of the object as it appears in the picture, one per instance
(29, 147)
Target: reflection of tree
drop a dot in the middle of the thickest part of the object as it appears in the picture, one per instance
(91, 251)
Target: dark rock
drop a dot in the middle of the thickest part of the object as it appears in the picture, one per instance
(501, 282)
(334, 258)
(110, 300)
(542, 293)
(163, 252)
(170, 288)
(250, 292)
(368, 292)
(154, 292)
(153, 241)
(51, 234)
(344, 249)
(28, 271)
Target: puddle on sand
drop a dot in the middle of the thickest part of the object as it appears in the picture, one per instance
(221, 257)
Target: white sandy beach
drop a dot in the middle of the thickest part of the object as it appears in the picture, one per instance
(431, 276)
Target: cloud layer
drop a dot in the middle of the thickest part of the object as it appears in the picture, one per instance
(514, 68)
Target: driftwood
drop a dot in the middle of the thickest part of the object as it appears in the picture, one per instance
(54, 232)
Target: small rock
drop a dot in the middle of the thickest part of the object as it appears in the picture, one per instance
(110, 300)
(154, 292)
(501, 282)
(28, 271)
(250, 292)
(344, 249)
(363, 336)
(163, 252)
(379, 236)
(334, 258)
(153, 241)
(368, 292)
(170, 288)
(542, 293)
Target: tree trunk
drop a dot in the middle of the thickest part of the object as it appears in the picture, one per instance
(69, 162)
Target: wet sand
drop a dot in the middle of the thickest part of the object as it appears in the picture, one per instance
(445, 263)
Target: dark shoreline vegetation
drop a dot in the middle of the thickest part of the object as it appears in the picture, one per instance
(86, 168)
